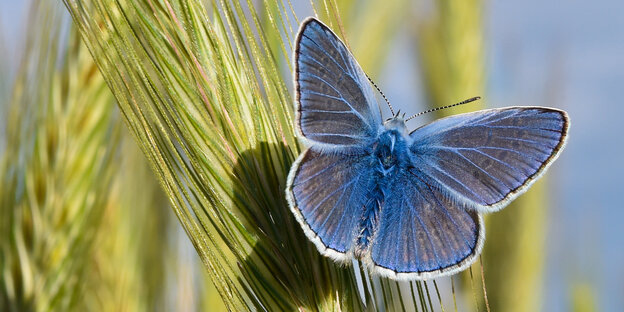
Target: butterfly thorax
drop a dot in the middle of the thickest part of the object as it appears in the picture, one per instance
(391, 147)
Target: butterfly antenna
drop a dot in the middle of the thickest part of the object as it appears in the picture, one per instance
(376, 87)
(472, 99)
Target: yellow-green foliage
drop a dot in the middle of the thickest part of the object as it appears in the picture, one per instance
(131, 251)
(367, 26)
(56, 170)
(583, 298)
(451, 48)
(83, 227)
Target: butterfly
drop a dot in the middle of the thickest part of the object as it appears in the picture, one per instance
(407, 204)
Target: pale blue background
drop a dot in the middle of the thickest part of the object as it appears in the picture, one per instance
(571, 52)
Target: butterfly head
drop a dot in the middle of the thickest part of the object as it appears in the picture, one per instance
(397, 122)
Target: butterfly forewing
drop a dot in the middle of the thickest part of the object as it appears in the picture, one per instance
(336, 105)
(486, 158)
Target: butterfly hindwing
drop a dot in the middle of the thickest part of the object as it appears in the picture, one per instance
(335, 104)
(485, 159)
(326, 192)
(422, 233)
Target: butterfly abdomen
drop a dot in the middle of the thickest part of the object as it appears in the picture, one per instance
(369, 222)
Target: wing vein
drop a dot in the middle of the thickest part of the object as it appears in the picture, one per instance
(440, 170)
(341, 99)
(328, 55)
(318, 173)
(329, 213)
(448, 214)
(344, 210)
(426, 230)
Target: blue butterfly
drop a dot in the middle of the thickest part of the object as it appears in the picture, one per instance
(407, 204)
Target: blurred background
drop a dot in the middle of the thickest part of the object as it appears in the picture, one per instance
(559, 248)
